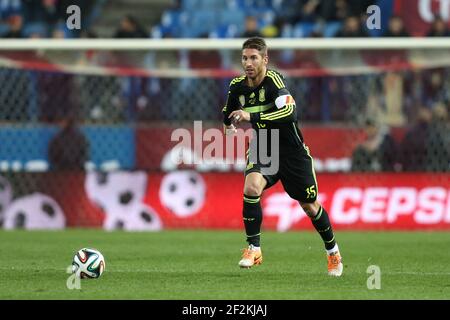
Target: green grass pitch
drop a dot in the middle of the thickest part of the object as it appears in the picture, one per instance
(202, 265)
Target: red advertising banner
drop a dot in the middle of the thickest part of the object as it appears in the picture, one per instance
(356, 201)
(141, 201)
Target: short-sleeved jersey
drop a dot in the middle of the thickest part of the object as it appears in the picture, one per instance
(270, 105)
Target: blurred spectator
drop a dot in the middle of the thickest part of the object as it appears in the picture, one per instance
(57, 96)
(59, 32)
(337, 10)
(359, 7)
(438, 28)
(15, 23)
(69, 148)
(43, 15)
(414, 145)
(378, 152)
(251, 28)
(396, 28)
(88, 34)
(434, 86)
(312, 11)
(40, 18)
(9, 8)
(352, 28)
(438, 141)
(52, 14)
(130, 28)
(393, 94)
(309, 10)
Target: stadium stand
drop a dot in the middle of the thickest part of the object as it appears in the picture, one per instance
(395, 95)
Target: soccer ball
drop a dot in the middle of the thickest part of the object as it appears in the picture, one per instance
(88, 263)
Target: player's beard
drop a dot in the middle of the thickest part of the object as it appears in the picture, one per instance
(256, 73)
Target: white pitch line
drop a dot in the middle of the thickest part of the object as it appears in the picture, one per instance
(298, 272)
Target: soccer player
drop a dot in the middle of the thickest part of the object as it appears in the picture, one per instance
(261, 98)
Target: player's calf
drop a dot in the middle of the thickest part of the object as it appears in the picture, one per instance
(321, 222)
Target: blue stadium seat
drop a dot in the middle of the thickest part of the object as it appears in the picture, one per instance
(160, 31)
(237, 4)
(248, 5)
(36, 28)
(212, 4)
(228, 17)
(170, 18)
(219, 32)
(157, 32)
(190, 5)
(287, 31)
(171, 22)
(8, 8)
(201, 22)
(193, 5)
(303, 29)
(266, 17)
(331, 28)
(258, 4)
(188, 33)
(225, 31)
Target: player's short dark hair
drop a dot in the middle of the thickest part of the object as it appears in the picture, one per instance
(256, 43)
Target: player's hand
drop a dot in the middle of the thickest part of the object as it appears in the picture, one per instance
(239, 116)
(229, 130)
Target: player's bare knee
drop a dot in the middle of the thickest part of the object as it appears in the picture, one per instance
(253, 189)
(254, 184)
(311, 209)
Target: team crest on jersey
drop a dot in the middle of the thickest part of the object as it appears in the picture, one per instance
(252, 99)
(242, 100)
(262, 95)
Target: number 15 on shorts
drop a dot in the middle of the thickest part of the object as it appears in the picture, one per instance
(311, 192)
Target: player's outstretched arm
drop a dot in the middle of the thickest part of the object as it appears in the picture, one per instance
(228, 127)
(230, 106)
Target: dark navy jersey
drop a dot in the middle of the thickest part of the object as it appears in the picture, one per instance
(270, 105)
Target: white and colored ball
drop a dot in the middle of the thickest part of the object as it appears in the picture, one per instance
(88, 263)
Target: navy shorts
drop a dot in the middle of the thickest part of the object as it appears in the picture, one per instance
(296, 173)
